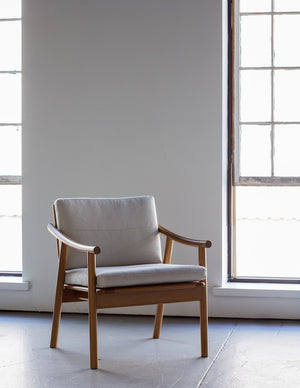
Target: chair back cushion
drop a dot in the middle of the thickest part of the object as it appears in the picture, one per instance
(126, 229)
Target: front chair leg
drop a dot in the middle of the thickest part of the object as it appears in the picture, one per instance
(93, 338)
(204, 323)
(92, 311)
(55, 322)
(58, 295)
(158, 320)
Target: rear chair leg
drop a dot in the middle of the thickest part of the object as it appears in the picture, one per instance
(160, 307)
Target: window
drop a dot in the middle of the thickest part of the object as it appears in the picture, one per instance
(266, 140)
(10, 137)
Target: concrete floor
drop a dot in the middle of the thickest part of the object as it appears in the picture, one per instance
(243, 353)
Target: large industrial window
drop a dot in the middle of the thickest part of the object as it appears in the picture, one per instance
(265, 140)
(10, 137)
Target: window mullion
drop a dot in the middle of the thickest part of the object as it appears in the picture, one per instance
(10, 179)
(236, 90)
(270, 13)
(10, 71)
(10, 124)
(272, 90)
(10, 19)
(269, 68)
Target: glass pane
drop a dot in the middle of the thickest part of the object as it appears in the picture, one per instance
(265, 215)
(255, 150)
(286, 30)
(287, 95)
(10, 200)
(10, 9)
(255, 95)
(10, 45)
(10, 150)
(255, 5)
(255, 40)
(286, 5)
(10, 228)
(10, 98)
(287, 155)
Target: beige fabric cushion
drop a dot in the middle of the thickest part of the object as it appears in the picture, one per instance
(134, 275)
(126, 229)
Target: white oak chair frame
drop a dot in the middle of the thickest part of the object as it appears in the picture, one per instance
(126, 296)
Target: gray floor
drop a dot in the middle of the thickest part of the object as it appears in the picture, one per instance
(243, 353)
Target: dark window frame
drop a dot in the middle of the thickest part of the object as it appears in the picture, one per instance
(252, 181)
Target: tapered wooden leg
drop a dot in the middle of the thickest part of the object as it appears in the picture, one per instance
(93, 336)
(160, 307)
(204, 323)
(55, 323)
(92, 311)
(158, 320)
(58, 295)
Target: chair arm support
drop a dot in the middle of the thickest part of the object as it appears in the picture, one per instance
(71, 243)
(184, 240)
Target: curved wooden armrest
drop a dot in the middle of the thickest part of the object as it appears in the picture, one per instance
(184, 240)
(71, 243)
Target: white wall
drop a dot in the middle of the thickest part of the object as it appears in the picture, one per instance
(120, 98)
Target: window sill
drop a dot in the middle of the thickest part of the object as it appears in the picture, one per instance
(12, 283)
(258, 290)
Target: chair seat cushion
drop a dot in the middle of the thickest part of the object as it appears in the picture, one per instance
(134, 275)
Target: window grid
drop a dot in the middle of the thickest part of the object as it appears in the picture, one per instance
(10, 215)
(10, 179)
(261, 180)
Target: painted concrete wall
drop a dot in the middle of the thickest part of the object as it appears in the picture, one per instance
(120, 98)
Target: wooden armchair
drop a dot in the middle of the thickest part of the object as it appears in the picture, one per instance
(126, 268)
